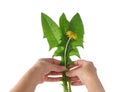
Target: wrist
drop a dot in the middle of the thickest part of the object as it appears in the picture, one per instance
(27, 83)
(38, 74)
(93, 84)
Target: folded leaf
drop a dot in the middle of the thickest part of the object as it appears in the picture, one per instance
(76, 26)
(51, 31)
(64, 24)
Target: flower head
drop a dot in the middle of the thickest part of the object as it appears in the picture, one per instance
(71, 35)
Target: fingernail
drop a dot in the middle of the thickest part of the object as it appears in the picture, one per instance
(67, 74)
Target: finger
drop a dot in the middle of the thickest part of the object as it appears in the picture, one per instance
(53, 61)
(78, 83)
(57, 68)
(55, 73)
(72, 73)
(53, 79)
(76, 64)
(74, 78)
(72, 65)
(79, 62)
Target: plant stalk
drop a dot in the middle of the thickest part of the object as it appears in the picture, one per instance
(66, 80)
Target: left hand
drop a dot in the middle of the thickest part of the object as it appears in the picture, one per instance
(47, 67)
(39, 73)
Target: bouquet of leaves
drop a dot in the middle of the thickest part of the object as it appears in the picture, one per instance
(66, 36)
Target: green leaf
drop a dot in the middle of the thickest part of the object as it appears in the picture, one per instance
(51, 31)
(74, 51)
(64, 23)
(76, 26)
(59, 51)
(69, 61)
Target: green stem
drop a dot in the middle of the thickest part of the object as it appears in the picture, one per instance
(66, 80)
(65, 52)
(69, 86)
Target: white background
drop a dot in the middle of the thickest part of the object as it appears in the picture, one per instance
(22, 43)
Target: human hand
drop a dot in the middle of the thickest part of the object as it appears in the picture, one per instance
(46, 67)
(81, 72)
(39, 73)
(84, 72)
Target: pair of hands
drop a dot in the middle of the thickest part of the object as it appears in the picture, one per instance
(80, 71)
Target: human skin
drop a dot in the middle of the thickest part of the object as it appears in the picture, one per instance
(84, 73)
(38, 74)
(81, 73)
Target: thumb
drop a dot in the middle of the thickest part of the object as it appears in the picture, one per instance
(73, 72)
(70, 73)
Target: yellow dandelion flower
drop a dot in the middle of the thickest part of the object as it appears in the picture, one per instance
(71, 35)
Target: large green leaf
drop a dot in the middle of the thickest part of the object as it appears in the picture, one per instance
(51, 31)
(64, 23)
(76, 26)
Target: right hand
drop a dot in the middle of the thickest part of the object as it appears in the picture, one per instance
(84, 72)
(82, 69)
